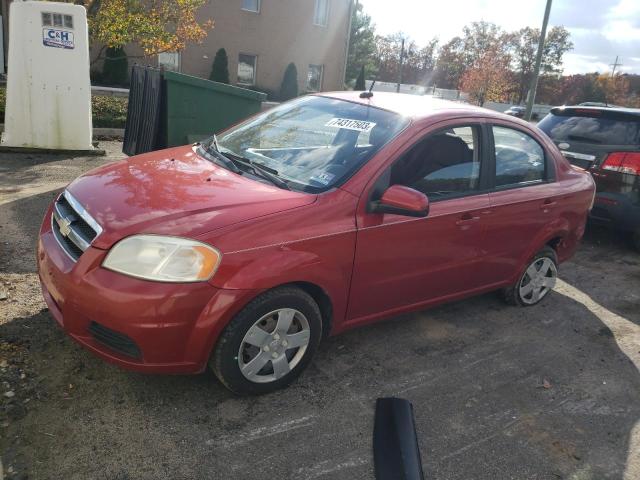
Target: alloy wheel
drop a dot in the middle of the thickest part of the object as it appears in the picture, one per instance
(274, 345)
(539, 278)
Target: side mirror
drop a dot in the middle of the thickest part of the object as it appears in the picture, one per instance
(401, 200)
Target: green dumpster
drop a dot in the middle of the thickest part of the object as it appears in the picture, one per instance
(197, 108)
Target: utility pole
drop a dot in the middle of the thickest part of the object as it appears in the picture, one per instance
(614, 65)
(400, 67)
(536, 73)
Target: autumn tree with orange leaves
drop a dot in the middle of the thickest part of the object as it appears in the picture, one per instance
(489, 79)
(155, 26)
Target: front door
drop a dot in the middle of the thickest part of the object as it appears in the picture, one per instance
(403, 261)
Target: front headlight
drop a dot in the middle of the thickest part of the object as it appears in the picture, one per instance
(163, 259)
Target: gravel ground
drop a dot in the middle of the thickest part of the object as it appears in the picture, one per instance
(549, 392)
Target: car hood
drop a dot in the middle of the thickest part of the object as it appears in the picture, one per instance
(174, 192)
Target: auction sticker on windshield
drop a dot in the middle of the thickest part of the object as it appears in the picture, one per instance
(349, 124)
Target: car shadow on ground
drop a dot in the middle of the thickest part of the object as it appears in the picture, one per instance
(541, 392)
(607, 268)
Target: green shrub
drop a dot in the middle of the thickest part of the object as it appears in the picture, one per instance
(220, 67)
(115, 70)
(289, 86)
(109, 112)
(3, 100)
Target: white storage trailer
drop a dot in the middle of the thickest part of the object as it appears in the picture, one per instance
(48, 88)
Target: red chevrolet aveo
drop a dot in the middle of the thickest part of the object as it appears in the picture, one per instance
(325, 213)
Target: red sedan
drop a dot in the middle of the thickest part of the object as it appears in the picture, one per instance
(326, 213)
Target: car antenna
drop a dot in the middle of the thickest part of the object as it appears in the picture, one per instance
(368, 94)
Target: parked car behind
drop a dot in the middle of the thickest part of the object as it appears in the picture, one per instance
(515, 111)
(326, 213)
(606, 142)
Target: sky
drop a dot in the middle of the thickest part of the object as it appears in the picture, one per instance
(600, 29)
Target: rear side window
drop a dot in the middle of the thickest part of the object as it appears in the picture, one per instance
(519, 158)
(591, 129)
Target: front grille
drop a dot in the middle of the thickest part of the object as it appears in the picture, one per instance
(72, 225)
(116, 341)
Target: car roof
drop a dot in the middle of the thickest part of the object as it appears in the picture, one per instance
(414, 106)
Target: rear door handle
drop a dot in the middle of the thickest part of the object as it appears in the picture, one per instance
(547, 204)
(467, 219)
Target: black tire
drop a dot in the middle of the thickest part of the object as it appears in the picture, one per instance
(224, 360)
(511, 295)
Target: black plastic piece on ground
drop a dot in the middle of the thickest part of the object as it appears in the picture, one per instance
(396, 453)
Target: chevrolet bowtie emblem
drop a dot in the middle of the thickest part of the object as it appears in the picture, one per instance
(65, 226)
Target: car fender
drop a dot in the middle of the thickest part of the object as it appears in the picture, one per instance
(324, 263)
(559, 227)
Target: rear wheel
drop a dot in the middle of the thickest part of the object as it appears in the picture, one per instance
(269, 343)
(537, 280)
(636, 239)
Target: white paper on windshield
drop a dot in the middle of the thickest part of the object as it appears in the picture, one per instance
(349, 124)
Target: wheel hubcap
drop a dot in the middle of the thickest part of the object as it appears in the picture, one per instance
(274, 345)
(538, 280)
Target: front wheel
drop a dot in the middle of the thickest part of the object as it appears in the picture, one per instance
(537, 280)
(269, 343)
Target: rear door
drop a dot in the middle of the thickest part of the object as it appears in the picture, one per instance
(524, 198)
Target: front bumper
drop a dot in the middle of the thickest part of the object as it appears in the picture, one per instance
(173, 326)
(615, 210)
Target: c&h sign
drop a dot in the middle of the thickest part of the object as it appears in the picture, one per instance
(53, 37)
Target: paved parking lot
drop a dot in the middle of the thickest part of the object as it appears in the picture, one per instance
(548, 392)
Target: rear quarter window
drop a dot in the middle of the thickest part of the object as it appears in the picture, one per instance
(607, 131)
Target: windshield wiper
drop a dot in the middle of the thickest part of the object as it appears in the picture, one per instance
(259, 169)
(212, 149)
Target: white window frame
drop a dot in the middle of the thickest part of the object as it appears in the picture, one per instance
(259, 5)
(255, 69)
(315, 13)
(309, 89)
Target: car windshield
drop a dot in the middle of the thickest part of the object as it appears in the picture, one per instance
(313, 143)
(603, 130)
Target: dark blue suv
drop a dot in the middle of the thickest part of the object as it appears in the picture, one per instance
(606, 142)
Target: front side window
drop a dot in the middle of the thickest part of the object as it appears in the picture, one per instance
(444, 164)
(246, 69)
(321, 13)
(313, 143)
(251, 5)
(314, 78)
(519, 158)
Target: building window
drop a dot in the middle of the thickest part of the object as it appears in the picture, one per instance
(314, 78)
(321, 13)
(57, 20)
(251, 5)
(169, 61)
(246, 69)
